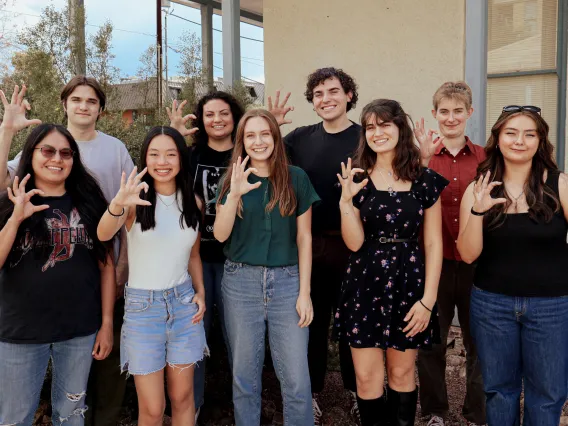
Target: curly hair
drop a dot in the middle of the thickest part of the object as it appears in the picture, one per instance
(322, 74)
(200, 138)
(457, 90)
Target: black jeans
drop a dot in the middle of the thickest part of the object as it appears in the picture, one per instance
(454, 291)
(105, 391)
(328, 269)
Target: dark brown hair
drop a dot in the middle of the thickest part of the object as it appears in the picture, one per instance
(282, 192)
(458, 91)
(541, 199)
(81, 80)
(322, 74)
(406, 162)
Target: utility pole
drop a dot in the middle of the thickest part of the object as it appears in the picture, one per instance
(77, 35)
(166, 47)
(159, 52)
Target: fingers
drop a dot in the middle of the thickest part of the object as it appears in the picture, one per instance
(343, 169)
(249, 171)
(169, 112)
(200, 310)
(122, 179)
(189, 132)
(180, 108)
(33, 192)
(33, 122)
(356, 170)
(244, 163)
(286, 99)
(132, 174)
(256, 185)
(15, 95)
(496, 201)
(22, 186)
(21, 94)
(4, 100)
(302, 314)
(438, 141)
(270, 103)
(40, 208)
(277, 100)
(142, 186)
(10, 195)
(360, 185)
(141, 174)
(188, 117)
(97, 346)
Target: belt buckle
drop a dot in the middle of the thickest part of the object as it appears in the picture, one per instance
(383, 240)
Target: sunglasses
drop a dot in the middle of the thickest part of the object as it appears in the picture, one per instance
(49, 152)
(519, 108)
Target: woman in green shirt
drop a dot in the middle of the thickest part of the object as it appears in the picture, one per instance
(264, 213)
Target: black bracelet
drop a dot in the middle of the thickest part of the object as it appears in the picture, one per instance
(115, 215)
(473, 212)
(426, 307)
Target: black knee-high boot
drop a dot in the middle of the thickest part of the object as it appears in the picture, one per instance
(402, 407)
(373, 412)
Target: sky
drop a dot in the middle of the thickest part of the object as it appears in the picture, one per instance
(134, 24)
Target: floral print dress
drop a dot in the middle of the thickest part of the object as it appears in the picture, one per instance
(384, 280)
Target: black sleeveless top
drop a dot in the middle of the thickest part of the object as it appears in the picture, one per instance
(525, 258)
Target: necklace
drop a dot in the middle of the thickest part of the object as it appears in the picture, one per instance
(164, 203)
(515, 199)
(390, 188)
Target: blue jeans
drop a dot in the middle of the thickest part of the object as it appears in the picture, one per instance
(22, 372)
(212, 276)
(258, 298)
(521, 339)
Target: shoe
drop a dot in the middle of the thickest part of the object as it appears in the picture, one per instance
(436, 421)
(317, 411)
(197, 415)
(402, 407)
(354, 411)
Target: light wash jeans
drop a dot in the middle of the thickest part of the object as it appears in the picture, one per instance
(22, 372)
(521, 340)
(255, 299)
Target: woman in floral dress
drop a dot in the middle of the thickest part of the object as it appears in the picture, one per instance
(390, 286)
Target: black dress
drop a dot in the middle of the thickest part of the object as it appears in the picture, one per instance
(384, 280)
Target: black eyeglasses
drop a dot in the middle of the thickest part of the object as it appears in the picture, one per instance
(49, 152)
(519, 108)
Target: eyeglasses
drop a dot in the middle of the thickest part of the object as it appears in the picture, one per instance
(519, 108)
(49, 152)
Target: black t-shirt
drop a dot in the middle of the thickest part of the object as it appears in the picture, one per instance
(320, 154)
(207, 166)
(52, 292)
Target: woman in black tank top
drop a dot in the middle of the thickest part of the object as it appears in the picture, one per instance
(514, 221)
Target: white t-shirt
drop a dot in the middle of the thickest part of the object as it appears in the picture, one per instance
(106, 158)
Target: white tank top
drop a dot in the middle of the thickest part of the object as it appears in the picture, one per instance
(158, 258)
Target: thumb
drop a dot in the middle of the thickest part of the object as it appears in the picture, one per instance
(34, 122)
(496, 201)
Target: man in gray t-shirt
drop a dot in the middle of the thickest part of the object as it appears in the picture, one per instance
(107, 158)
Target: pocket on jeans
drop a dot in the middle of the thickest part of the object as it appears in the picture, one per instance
(231, 268)
(136, 304)
(292, 270)
(186, 298)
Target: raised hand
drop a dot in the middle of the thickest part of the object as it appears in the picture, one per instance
(426, 140)
(349, 188)
(23, 207)
(129, 193)
(482, 193)
(239, 178)
(14, 118)
(279, 110)
(179, 121)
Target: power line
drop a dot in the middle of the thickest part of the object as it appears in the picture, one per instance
(244, 57)
(214, 29)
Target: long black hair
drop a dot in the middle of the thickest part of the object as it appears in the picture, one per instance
(190, 213)
(82, 187)
(200, 139)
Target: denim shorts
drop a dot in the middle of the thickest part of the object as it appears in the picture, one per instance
(157, 330)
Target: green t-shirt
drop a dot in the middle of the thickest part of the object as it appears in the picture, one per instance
(264, 238)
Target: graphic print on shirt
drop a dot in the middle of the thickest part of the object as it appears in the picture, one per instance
(64, 234)
(208, 177)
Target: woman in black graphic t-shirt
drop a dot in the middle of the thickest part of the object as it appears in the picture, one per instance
(216, 117)
(57, 286)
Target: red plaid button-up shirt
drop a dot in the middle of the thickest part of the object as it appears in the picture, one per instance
(460, 171)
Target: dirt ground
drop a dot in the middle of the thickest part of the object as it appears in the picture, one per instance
(335, 402)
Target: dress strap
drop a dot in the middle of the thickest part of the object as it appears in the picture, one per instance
(552, 181)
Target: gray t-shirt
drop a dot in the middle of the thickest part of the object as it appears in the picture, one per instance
(106, 158)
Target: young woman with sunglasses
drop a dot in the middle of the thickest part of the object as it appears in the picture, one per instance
(514, 221)
(57, 284)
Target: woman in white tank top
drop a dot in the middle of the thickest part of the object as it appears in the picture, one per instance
(165, 297)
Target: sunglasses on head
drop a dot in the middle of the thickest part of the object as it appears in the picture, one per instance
(49, 152)
(519, 108)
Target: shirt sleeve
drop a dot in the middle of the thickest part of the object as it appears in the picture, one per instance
(431, 187)
(13, 165)
(306, 194)
(127, 163)
(360, 197)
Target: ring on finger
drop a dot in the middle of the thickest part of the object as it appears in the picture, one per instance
(343, 177)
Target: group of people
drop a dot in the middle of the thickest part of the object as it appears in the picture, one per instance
(382, 228)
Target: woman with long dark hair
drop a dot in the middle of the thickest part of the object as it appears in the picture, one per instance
(513, 221)
(215, 119)
(390, 286)
(57, 285)
(264, 215)
(165, 300)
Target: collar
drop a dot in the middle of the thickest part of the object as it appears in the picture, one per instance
(468, 145)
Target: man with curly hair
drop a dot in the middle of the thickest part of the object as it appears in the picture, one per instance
(319, 149)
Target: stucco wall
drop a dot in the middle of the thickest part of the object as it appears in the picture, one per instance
(400, 49)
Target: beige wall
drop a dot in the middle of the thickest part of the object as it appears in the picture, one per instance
(400, 49)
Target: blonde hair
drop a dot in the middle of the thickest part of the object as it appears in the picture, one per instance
(458, 91)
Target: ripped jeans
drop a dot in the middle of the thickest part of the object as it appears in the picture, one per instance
(22, 372)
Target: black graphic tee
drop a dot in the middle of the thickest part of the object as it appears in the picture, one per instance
(320, 154)
(52, 292)
(207, 166)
